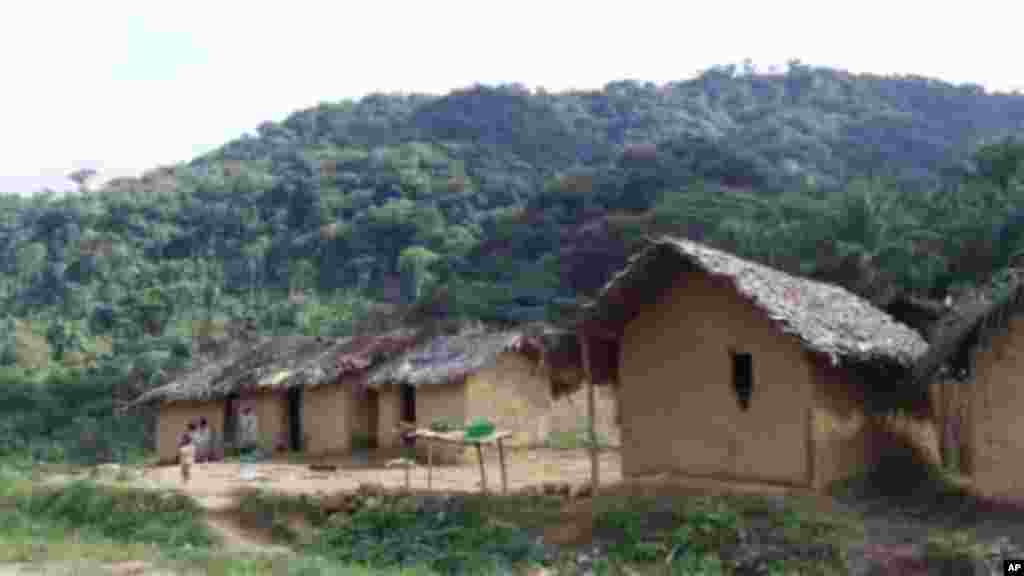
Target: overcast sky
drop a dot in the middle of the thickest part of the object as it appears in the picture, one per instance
(124, 86)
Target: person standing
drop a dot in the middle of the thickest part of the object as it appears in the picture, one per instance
(187, 452)
(248, 429)
(203, 442)
(248, 437)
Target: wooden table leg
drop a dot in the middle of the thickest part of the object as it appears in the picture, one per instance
(504, 474)
(430, 463)
(483, 471)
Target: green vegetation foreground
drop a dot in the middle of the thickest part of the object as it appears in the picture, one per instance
(653, 529)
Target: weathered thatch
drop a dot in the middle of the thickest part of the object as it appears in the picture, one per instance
(282, 363)
(193, 385)
(968, 325)
(827, 319)
(448, 358)
(563, 359)
(921, 314)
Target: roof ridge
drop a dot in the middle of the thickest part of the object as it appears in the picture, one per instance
(827, 318)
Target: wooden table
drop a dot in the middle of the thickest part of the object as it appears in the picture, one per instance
(458, 437)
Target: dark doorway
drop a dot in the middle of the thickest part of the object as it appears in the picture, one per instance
(407, 403)
(407, 396)
(295, 419)
(231, 420)
(372, 417)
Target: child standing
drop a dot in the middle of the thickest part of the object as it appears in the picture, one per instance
(187, 453)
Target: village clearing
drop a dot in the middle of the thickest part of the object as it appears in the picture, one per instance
(524, 468)
(289, 518)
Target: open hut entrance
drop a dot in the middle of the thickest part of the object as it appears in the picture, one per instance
(231, 419)
(372, 417)
(407, 397)
(295, 419)
(366, 418)
(407, 409)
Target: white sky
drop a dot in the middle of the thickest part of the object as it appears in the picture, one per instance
(124, 86)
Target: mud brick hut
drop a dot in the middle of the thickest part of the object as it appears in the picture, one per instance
(977, 361)
(307, 393)
(505, 377)
(729, 369)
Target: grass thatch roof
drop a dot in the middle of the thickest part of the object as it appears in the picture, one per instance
(563, 359)
(921, 314)
(447, 358)
(282, 363)
(971, 323)
(826, 318)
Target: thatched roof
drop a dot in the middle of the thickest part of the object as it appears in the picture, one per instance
(970, 323)
(448, 358)
(282, 363)
(563, 359)
(921, 314)
(826, 318)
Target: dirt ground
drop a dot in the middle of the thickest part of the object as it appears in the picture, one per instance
(213, 483)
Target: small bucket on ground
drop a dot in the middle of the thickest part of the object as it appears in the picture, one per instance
(247, 465)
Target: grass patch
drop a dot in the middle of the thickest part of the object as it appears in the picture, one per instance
(30, 536)
(277, 513)
(214, 563)
(446, 536)
(954, 552)
(720, 535)
(91, 524)
(389, 532)
(122, 514)
(576, 439)
(476, 534)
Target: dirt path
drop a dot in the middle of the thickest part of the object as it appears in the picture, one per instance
(222, 519)
(219, 516)
(220, 479)
(239, 539)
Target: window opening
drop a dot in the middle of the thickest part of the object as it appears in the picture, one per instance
(742, 378)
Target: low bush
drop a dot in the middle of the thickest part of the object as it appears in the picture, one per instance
(443, 535)
(120, 513)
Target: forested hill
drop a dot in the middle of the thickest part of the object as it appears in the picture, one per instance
(497, 202)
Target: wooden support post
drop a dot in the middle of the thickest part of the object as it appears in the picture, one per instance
(595, 467)
(501, 460)
(430, 463)
(483, 471)
(958, 425)
(408, 474)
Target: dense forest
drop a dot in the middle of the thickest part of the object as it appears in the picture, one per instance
(503, 204)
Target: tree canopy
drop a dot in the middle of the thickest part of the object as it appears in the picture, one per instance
(498, 202)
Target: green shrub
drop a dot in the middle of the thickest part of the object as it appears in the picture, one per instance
(453, 539)
(121, 514)
(641, 531)
(262, 510)
(707, 528)
(955, 554)
(66, 417)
